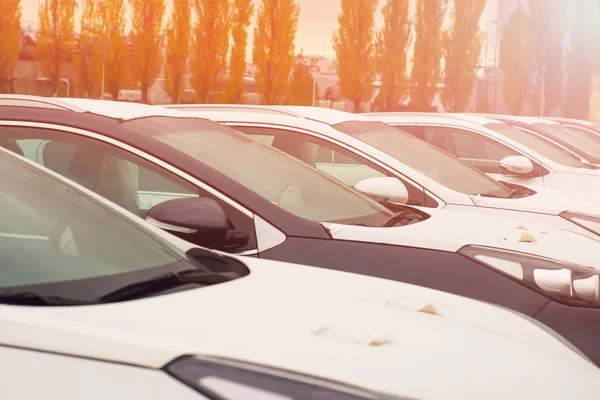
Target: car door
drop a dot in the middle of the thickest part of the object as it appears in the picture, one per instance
(330, 158)
(127, 179)
(481, 152)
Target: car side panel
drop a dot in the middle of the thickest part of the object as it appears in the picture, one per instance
(579, 325)
(444, 271)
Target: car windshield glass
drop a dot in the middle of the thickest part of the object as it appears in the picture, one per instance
(62, 242)
(424, 157)
(281, 179)
(582, 142)
(538, 144)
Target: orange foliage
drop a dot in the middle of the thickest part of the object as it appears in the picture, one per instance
(55, 37)
(211, 44)
(426, 64)
(355, 49)
(273, 52)
(241, 17)
(462, 47)
(10, 18)
(178, 49)
(146, 41)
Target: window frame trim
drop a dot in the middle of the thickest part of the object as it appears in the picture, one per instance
(494, 139)
(166, 166)
(351, 149)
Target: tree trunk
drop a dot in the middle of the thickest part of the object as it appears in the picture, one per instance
(145, 92)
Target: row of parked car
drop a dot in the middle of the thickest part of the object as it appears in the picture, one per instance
(271, 252)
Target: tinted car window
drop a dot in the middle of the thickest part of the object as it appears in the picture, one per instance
(272, 174)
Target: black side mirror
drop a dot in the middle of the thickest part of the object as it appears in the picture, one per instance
(199, 220)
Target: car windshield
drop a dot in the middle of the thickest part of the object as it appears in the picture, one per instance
(58, 241)
(425, 158)
(582, 142)
(538, 144)
(281, 179)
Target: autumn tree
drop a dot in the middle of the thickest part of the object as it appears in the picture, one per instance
(146, 41)
(461, 49)
(87, 59)
(583, 58)
(112, 45)
(354, 47)
(55, 37)
(392, 46)
(10, 24)
(516, 48)
(241, 16)
(211, 43)
(178, 49)
(302, 85)
(273, 51)
(548, 22)
(426, 64)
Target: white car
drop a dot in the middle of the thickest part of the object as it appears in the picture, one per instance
(352, 148)
(213, 186)
(502, 151)
(584, 143)
(97, 304)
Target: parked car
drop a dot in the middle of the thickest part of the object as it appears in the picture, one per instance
(584, 144)
(163, 164)
(578, 124)
(500, 151)
(352, 148)
(97, 304)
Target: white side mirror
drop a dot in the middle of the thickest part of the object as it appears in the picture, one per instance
(388, 188)
(519, 165)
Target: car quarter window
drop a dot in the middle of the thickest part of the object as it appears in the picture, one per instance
(481, 152)
(120, 176)
(331, 159)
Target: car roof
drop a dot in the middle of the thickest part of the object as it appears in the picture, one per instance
(421, 117)
(320, 114)
(239, 108)
(124, 111)
(119, 110)
(18, 100)
(526, 119)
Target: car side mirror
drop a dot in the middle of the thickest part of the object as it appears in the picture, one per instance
(198, 220)
(516, 165)
(384, 189)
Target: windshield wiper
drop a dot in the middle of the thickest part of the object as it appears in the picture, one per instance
(403, 218)
(165, 282)
(35, 299)
(488, 195)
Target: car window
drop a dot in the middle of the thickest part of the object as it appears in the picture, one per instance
(123, 178)
(581, 141)
(51, 233)
(283, 180)
(423, 157)
(538, 144)
(477, 150)
(332, 159)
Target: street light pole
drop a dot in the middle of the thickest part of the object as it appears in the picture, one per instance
(542, 105)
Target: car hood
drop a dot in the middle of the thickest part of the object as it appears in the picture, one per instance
(377, 334)
(449, 230)
(545, 201)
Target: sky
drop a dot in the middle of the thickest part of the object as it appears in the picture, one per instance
(318, 21)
